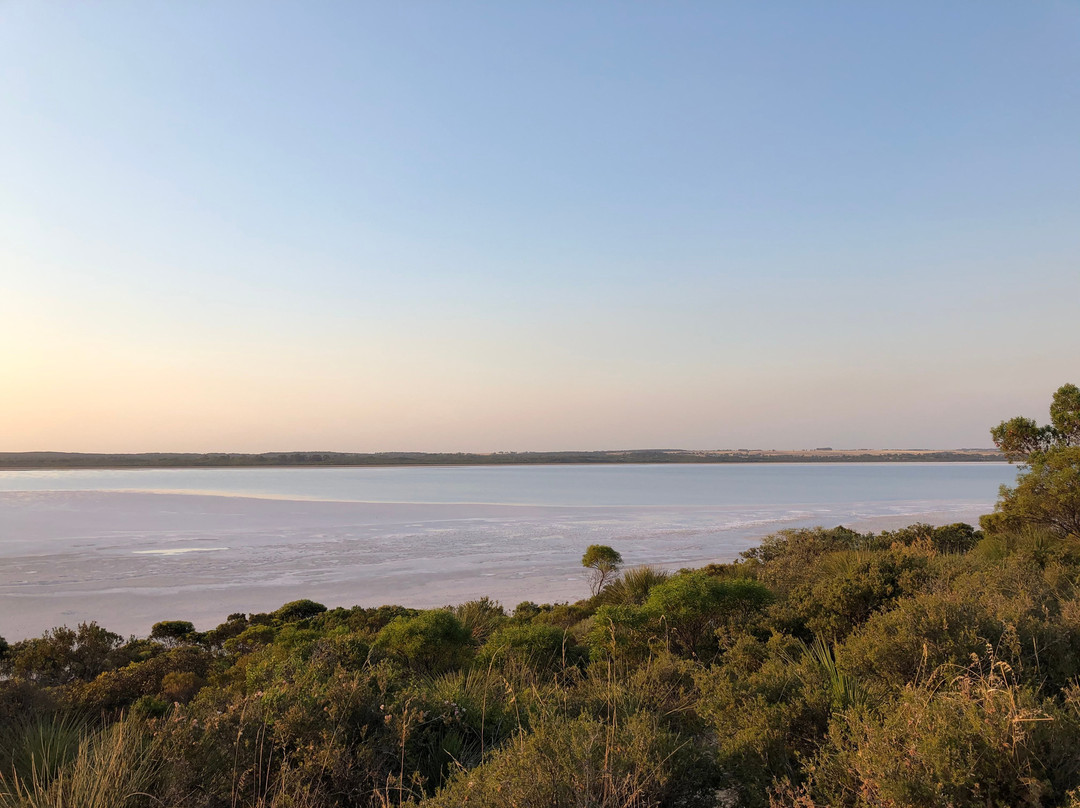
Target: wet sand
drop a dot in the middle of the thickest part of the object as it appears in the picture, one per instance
(128, 560)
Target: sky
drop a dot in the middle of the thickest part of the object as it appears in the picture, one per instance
(479, 226)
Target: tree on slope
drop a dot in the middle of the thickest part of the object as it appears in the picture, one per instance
(1047, 491)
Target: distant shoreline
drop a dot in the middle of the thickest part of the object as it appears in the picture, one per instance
(79, 460)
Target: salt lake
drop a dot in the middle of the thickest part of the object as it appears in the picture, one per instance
(129, 547)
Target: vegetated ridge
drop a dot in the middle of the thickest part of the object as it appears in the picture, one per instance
(59, 460)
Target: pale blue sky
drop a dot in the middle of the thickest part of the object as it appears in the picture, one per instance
(484, 226)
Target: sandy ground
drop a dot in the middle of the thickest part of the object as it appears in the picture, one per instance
(127, 560)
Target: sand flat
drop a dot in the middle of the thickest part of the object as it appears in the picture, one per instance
(128, 559)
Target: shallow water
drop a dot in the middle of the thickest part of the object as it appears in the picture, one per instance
(600, 485)
(130, 547)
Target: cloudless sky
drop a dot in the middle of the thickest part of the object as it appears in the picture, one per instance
(254, 226)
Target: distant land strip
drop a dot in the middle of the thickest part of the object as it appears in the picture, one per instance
(79, 460)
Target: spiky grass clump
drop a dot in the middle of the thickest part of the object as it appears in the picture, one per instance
(633, 586)
(107, 768)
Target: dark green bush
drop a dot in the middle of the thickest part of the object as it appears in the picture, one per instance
(298, 610)
(537, 646)
(432, 641)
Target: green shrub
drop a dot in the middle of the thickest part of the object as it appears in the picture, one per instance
(298, 610)
(633, 585)
(480, 617)
(689, 607)
(115, 690)
(843, 590)
(535, 645)
(975, 738)
(64, 655)
(626, 633)
(172, 632)
(432, 641)
(582, 761)
(109, 768)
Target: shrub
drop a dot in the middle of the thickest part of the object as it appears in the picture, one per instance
(583, 761)
(432, 641)
(109, 768)
(526, 611)
(252, 637)
(172, 631)
(480, 617)
(114, 690)
(64, 655)
(536, 645)
(298, 610)
(621, 632)
(633, 586)
(975, 738)
(692, 605)
(181, 686)
(837, 597)
(922, 633)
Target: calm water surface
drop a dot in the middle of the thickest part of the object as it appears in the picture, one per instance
(130, 547)
(601, 485)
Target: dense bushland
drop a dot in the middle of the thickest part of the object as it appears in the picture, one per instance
(929, 666)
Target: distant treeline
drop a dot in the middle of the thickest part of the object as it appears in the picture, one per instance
(42, 460)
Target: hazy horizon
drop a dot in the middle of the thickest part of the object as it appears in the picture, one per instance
(534, 227)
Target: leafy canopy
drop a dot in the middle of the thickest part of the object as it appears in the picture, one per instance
(604, 562)
(1047, 493)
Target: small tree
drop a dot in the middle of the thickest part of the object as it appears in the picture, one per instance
(1047, 493)
(1023, 440)
(603, 563)
(172, 632)
(298, 610)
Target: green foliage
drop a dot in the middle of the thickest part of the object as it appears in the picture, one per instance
(1022, 439)
(633, 585)
(537, 646)
(621, 632)
(298, 610)
(251, 638)
(172, 631)
(563, 615)
(839, 591)
(1019, 438)
(64, 655)
(117, 689)
(845, 691)
(767, 707)
(692, 605)
(38, 744)
(603, 563)
(975, 737)
(906, 644)
(526, 611)
(108, 768)
(432, 641)
(1047, 495)
(924, 666)
(582, 761)
(480, 617)
(955, 538)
